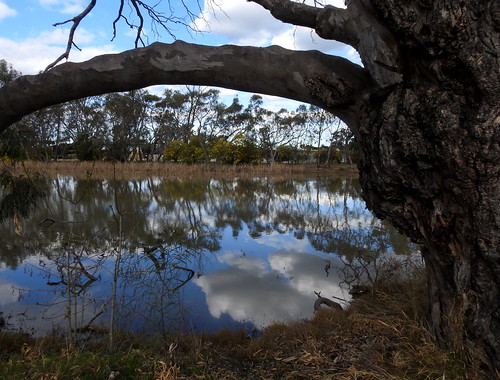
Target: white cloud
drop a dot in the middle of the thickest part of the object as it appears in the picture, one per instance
(308, 272)
(300, 38)
(7, 294)
(59, 36)
(239, 21)
(32, 55)
(65, 6)
(261, 299)
(353, 56)
(237, 260)
(246, 23)
(6, 11)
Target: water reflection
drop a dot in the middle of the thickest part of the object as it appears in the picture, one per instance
(160, 254)
(280, 289)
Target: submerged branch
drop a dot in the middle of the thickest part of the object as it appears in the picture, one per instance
(188, 278)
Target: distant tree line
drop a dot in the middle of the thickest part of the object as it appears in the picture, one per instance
(188, 125)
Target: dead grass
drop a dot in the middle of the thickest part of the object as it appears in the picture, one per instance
(375, 338)
(135, 170)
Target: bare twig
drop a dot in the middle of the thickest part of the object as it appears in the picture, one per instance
(141, 22)
(76, 21)
(120, 10)
(88, 325)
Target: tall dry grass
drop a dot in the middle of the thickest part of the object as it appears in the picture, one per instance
(135, 170)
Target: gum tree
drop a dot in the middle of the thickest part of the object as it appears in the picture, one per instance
(424, 108)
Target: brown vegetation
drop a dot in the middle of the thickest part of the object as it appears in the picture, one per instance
(134, 170)
(380, 336)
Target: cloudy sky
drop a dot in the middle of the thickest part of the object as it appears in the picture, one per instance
(29, 41)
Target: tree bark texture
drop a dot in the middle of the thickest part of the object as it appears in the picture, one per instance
(430, 160)
(425, 108)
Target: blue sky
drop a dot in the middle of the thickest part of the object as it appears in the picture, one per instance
(29, 41)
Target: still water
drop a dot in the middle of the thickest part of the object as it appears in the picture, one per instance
(168, 254)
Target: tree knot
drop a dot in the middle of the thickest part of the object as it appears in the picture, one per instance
(333, 92)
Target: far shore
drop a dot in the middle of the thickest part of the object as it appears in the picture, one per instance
(134, 170)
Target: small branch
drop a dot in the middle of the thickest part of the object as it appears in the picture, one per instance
(189, 277)
(88, 325)
(120, 10)
(76, 21)
(141, 24)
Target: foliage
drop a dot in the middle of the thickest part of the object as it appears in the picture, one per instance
(21, 194)
(7, 72)
(245, 150)
(187, 152)
(223, 151)
(188, 125)
(85, 147)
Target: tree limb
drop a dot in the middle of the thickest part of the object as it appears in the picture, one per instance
(76, 21)
(290, 12)
(141, 24)
(330, 82)
(357, 26)
(329, 22)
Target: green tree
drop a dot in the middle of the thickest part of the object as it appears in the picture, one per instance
(288, 153)
(279, 128)
(321, 126)
(7, 72)
(174, 150)
(246, 150)
(85, 148)
(126, 117)
(223, 151)
(86, 127)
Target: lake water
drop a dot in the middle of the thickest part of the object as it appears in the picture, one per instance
(168, 254)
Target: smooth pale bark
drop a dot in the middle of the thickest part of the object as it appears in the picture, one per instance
(425, 110)
(304, 76)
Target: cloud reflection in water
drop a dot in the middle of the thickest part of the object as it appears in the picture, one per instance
(282, 289)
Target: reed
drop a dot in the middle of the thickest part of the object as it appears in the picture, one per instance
(138, 170)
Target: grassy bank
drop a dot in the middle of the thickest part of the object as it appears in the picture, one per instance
(134, 170)
(379, 336)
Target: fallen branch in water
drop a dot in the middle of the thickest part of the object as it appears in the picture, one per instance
(326, 301)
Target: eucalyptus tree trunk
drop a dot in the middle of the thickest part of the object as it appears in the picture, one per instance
(430, 160)
(425, 109)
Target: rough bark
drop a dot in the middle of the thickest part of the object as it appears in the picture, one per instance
(431, 146)
(425, 110)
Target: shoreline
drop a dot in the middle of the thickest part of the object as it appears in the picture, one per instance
(135, 170)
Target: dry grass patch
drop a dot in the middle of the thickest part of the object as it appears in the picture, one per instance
(350, 344)
(135, 170)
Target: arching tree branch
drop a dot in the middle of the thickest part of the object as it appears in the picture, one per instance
(307, 76)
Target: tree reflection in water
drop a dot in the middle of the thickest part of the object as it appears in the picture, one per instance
(161, 254)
